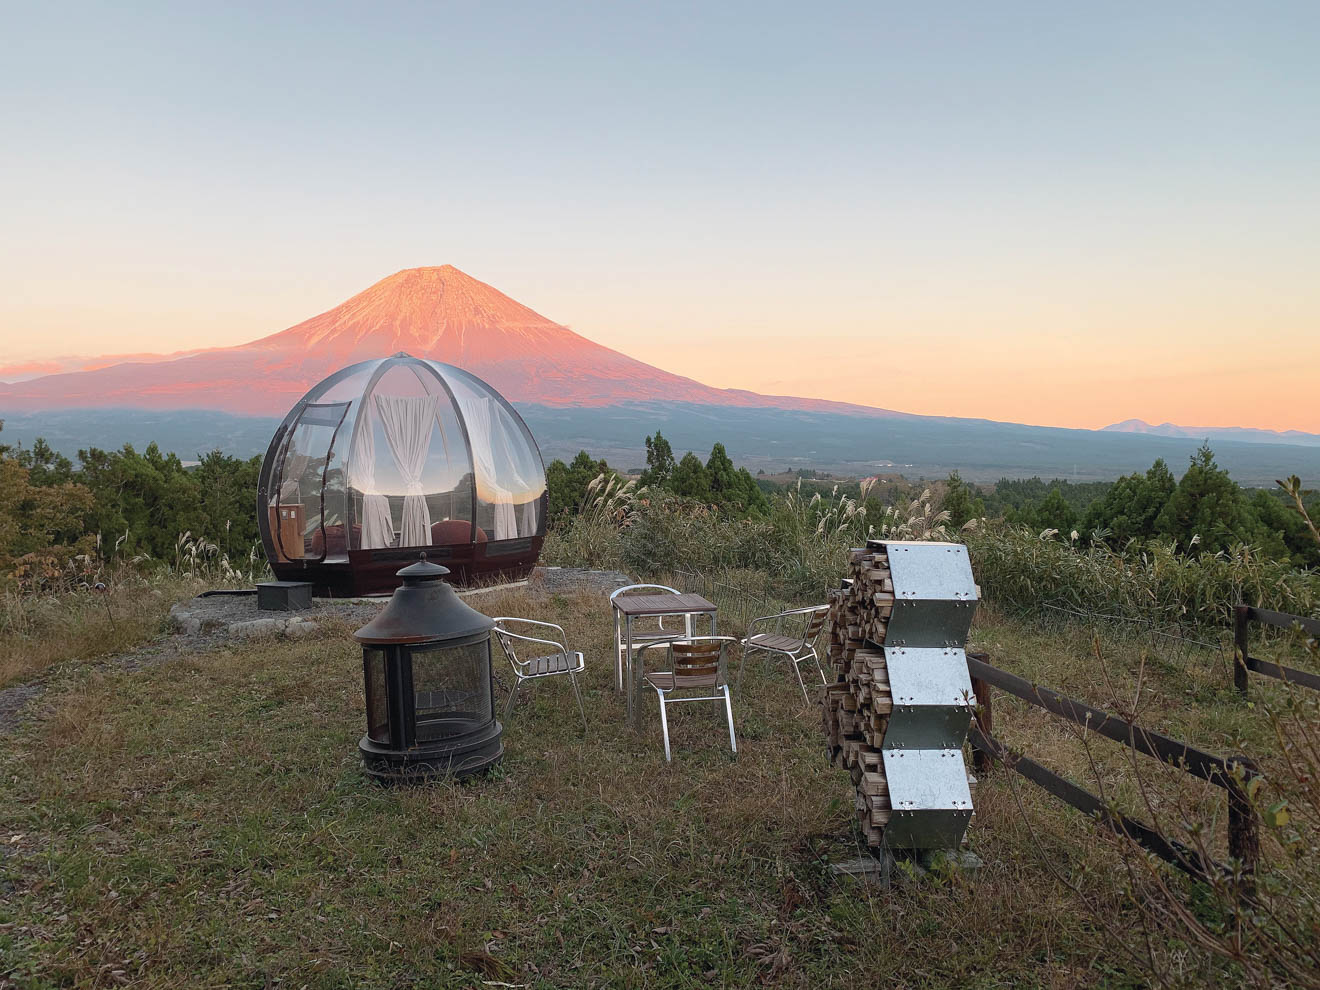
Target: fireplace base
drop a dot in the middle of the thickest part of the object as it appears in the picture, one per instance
(455, 756)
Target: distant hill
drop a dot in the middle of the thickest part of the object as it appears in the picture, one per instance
(1237, 434)
(773, 439)
(575, 394)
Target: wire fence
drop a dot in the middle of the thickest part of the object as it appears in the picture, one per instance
(739, 597)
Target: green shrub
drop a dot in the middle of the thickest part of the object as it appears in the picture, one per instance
(1025, 571)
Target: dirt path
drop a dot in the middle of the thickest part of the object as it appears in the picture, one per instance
(16, 703)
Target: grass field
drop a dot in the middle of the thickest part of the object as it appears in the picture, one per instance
(205, 823)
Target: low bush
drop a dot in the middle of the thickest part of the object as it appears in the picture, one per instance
(1030, 572)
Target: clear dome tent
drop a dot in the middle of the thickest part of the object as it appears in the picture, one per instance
(389, 458)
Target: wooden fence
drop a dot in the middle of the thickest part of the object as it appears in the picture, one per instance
(1230, 773)
(1243, 661)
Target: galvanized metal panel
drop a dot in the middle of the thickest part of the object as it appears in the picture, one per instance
(932, 696)
(930, 571)
(928, 675)
(934, 591)
(930, 801)
(930, 623)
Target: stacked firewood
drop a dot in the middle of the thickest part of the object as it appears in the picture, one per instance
(856, 707)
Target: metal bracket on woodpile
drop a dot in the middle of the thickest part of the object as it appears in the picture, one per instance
(897, 715)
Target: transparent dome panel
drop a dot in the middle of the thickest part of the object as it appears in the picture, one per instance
(510, 478)
(307, 503)
(347, 385)
(410, 473)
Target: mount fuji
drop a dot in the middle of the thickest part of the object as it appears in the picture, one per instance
(439, 313)
(573, 392)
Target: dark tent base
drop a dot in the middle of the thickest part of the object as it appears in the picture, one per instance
(374, 572)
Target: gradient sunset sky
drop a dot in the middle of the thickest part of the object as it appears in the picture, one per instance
(1026, 212)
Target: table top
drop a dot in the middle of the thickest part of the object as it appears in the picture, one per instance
(662, 604)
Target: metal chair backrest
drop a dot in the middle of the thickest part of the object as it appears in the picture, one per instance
(639, 589)
(651, 589)
(700, 656)
(510, 640)
(509, 645)
(816, 623)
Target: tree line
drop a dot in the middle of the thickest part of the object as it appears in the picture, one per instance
(715, 482)
(1204, 511)
(52, 509)
(140, 502)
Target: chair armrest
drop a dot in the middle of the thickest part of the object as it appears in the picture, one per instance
(534, 639)
(804, 609)
(502, 623)
(637, 653)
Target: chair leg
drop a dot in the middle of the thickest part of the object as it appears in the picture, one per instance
(618, 655)
(513, 696)
(798, 670)
(820, 667)
(664, 725)
(728, 706)
(573, 677)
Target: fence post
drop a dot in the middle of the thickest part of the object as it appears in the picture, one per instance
(1241, 619)
(985, 721)
(1243, 824)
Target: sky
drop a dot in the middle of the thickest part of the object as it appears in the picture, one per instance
(1046, 213)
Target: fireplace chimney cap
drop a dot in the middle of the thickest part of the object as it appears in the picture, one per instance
(424, 610)
(421, 571)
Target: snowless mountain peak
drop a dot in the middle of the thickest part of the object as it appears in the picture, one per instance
(437, 312)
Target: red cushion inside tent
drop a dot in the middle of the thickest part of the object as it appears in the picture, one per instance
(449, 532)
(333, 540)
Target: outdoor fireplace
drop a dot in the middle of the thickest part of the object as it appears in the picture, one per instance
(426, 664)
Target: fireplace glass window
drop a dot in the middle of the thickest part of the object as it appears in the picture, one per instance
(378, 709)
(451, 689)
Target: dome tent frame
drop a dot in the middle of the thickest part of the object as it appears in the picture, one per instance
(353, 452)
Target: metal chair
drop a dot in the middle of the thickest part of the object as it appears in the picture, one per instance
(641, 636)
(786, 642)
(696, 663)
(560, 661)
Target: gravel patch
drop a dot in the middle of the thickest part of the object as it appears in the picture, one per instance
(570, 579)
(237, 616)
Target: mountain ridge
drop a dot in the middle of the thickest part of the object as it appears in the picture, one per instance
(1243, 434)
(440, 312)
(436, 312)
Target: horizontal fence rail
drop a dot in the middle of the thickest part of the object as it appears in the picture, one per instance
(1084, 801)
(1243, 661)
(1229, 773)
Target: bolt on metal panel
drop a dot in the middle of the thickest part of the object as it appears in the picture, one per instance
(929, 796)
(931, 693)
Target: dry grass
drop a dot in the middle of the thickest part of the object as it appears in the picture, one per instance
(39, 631)
(206, 823)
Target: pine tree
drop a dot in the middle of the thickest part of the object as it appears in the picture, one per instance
(960, 501)
(1207, 504)
(1129, 510)
(690, 478)
(659, 462)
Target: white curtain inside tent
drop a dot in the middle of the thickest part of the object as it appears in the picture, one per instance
(505, 447)
(408, 421)
(479, 417)
(377, 525)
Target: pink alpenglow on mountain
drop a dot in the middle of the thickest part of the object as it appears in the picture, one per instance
(439, 313)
